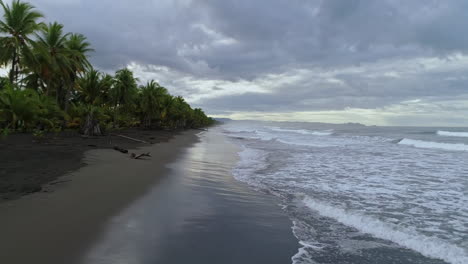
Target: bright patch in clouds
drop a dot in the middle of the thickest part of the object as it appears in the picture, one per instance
(390, 88)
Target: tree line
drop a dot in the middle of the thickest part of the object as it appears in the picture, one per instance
(51, 85)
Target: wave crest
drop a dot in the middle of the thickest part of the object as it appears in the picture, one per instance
(433, 145)
(428, 246)
(303, 131)
(452, 134)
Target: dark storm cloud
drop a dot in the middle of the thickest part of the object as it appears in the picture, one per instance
(269, 35)
(245, 40)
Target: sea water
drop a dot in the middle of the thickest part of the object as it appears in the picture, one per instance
(359, 194)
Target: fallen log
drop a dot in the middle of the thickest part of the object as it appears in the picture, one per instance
(130, 138)
(121, 149)
(135, 156)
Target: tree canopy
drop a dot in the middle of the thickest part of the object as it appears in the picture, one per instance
(51, 84)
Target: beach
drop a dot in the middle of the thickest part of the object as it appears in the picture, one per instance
(199, 213)
(56, 225)
(182, 204)
(23, 157)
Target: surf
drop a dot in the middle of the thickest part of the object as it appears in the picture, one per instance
(428, 246)
(452, 134)
(433, 145)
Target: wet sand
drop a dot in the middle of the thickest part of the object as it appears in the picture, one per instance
(199, 214)
(59, 226)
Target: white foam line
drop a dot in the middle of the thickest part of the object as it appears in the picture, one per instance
(427, 246)
(434, 145)
(452, 134)
(303, 131)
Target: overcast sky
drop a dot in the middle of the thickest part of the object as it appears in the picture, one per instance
(385, 62)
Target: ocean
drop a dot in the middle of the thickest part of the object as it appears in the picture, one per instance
(362, 194)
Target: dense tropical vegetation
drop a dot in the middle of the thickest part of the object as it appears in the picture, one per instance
(52, 86)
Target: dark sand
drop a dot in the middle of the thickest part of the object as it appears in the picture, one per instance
(29, 164)
(199, 214)
(57, 226)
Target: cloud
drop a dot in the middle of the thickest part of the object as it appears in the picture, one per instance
(274, 56)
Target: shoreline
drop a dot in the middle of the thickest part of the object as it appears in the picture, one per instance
(200, 213)
(58, 226)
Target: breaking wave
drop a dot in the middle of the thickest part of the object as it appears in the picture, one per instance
(452, 134)
(428, 246)
(433, 145)
(303, 131)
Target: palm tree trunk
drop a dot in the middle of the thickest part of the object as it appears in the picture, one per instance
(66, 103)
(13, 66)
(17, 69)
(91, 126)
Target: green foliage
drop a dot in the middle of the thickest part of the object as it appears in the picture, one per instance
(25, 109)
(20, 21)
(52, 84)
(78, 48)
(125, 89)
(18, 109)
(93, 88)
(4, 82)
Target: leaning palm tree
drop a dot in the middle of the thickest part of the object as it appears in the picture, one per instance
(20, 21)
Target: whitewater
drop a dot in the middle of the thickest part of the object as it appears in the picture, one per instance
(358, 194)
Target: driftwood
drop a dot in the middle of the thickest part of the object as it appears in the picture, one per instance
(58, 182)
(135, 156)
(129, 138)
(121, 149)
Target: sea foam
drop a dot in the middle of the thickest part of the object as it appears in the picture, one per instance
(428, 246)
(452, 134)
(433, 145)
(303, 131)
(250, 161)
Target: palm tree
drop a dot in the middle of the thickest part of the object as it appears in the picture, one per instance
(20, 20)
(54, 58)
(151, 97)
(92, 87)
(179, 112)
(78, 48)
(125, 88)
